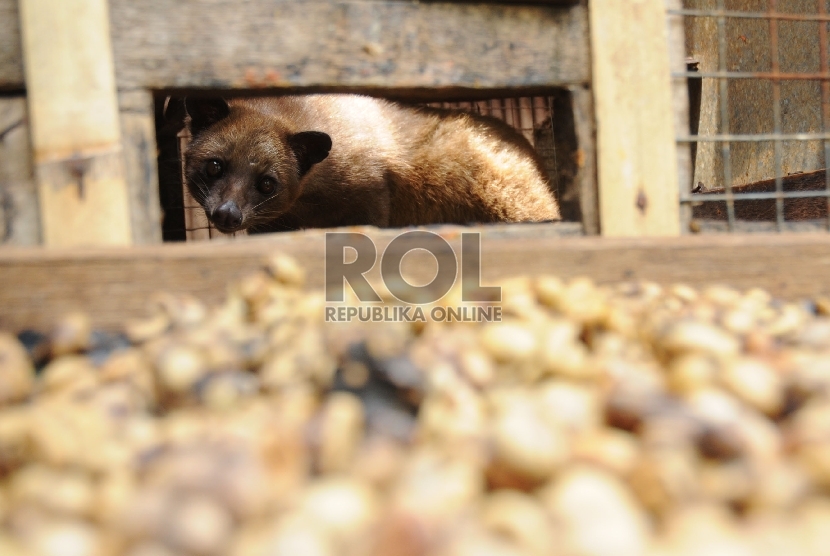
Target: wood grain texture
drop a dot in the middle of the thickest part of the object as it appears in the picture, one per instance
(550, 2)
(84, 202)
(680, 104)
(19, 206)
(19, 218)
(585, 130)
(637, 164)
(115, 284)
(11, 51)
(74, 123)
(138, 135)
(225, 44)
(73, 108)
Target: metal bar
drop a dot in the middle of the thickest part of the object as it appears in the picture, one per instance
(525, 109)
(723, 13)
(776, 115)
(728, 137)
(726, 152)
(549, 101)
(825, 99)
(514, 109)
(540, 111)
(496, 109)
(706, 197)
(788, 76)
(508, 111)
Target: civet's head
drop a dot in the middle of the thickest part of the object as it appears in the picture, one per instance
(244, 167)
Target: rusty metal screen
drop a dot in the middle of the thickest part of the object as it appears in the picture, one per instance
(532, 116)
(759, 104)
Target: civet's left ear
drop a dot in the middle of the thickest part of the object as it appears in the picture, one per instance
(310, 147)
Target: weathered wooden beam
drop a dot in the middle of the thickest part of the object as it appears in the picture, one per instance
(138, 136)
(115, 284)
(11, 51)
(550, 2)
(409, 47)
(19, 214)
(73, 114)
(680, 106)
(637, 164)
(19, 218)
(585, 130)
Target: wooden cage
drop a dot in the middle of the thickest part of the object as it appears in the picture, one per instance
(79, 205)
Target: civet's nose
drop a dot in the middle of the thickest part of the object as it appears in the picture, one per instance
(227, 216)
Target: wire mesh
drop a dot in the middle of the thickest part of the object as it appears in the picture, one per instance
(759, 133)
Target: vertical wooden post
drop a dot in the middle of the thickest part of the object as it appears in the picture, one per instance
(138, 137)
(73, 111)
(19, 220)
(680, 102)
(585, 129)
(637, 157)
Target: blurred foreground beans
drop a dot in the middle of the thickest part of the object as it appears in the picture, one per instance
(592, 420)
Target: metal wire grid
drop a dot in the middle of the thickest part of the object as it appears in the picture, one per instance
(525, 114)
(532, 116)
(775, 76)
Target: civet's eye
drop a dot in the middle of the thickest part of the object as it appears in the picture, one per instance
(267, 185)
(214, 168)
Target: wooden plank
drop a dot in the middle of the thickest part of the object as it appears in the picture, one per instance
(11, 52)
(637, 163)
(408, 46)
(680, 105)
(138, 134)
(115, 284)
(19, 219)
(74, 122)
(69, 76)
(586, 158)
(84, 204)
(551, 2)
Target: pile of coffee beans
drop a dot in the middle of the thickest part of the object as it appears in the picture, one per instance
(621, 420)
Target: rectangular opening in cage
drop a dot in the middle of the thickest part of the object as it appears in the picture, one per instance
(759, 109)
(547, 122)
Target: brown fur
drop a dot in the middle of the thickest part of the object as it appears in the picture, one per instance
(389, 164)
